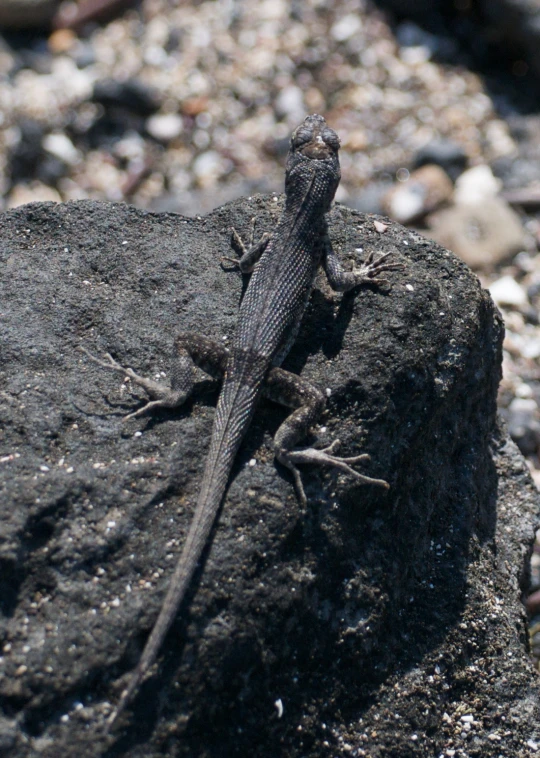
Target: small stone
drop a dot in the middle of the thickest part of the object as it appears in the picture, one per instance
(61, 41)
(355, 141)
(506, 291)
(346, 27)
(165, 126)
(483, 235)
(523, 422)
(207, 167)
(422, 192)
(476, 185)
(131, 95)
(444, 153)
(290, 102)
(8, 735)
(61, 147)
(192, 106)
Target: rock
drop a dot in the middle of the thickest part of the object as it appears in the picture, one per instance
(369, 199)
(34, 191)
(289, 103)
(132, 95)
(506, 291)
(62, 41)
(60, 146)
(26, 154)
(346, 27)
(376, 620)
(27, 14)
(444, 153)
(208, 167)
(426, 189)
(476, 185)
(165, 126)
(483, 235)
(523, 420)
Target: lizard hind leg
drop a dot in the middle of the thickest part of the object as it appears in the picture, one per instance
(190, 350)
(293, 391)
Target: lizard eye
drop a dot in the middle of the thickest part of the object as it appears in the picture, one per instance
(331, 139)
(301, 136)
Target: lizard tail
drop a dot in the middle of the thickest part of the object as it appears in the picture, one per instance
(234, 411)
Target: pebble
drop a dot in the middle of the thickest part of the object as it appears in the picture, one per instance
(61, 147)
(61, 41)
(346, 27)
(523, 422)
(476, 185)
(208, 166)
(8, 734)
(164, 126)
(423, 191)
(506, 291)
(132, 95)
(444, 153)
(290, 103)
(483, 235)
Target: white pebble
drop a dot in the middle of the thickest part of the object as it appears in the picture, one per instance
(165, 126)
(207, 164)
(506, 291)
(61, 147)
(346, 27)
(290, 102)
(476, 185)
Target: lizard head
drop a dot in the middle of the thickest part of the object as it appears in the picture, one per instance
(314, 152)
(314, 139)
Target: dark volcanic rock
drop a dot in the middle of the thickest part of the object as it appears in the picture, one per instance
(383, 624)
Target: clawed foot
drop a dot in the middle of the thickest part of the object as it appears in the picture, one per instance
(325, 457)
(162, 395)
(369, 272)
(237, 243)
(248, 255)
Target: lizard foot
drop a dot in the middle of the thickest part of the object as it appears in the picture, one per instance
(238, 243)
(369, 272)
(161, 395)
(324, 457)
(249, 255)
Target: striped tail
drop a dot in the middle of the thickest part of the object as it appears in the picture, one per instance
(234, 411)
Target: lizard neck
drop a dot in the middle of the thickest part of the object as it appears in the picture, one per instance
(306, 206)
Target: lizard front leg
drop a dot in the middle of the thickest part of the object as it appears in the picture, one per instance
(294, 392)
(368, 273)
(249, 255)
(190, 350)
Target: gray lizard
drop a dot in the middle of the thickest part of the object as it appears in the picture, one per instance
(284, 266)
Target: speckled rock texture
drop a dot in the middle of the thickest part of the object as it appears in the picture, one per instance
(372, 624)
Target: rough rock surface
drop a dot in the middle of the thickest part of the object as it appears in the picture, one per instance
(380, 624)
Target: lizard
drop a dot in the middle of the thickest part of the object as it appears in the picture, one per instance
(283, 266)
